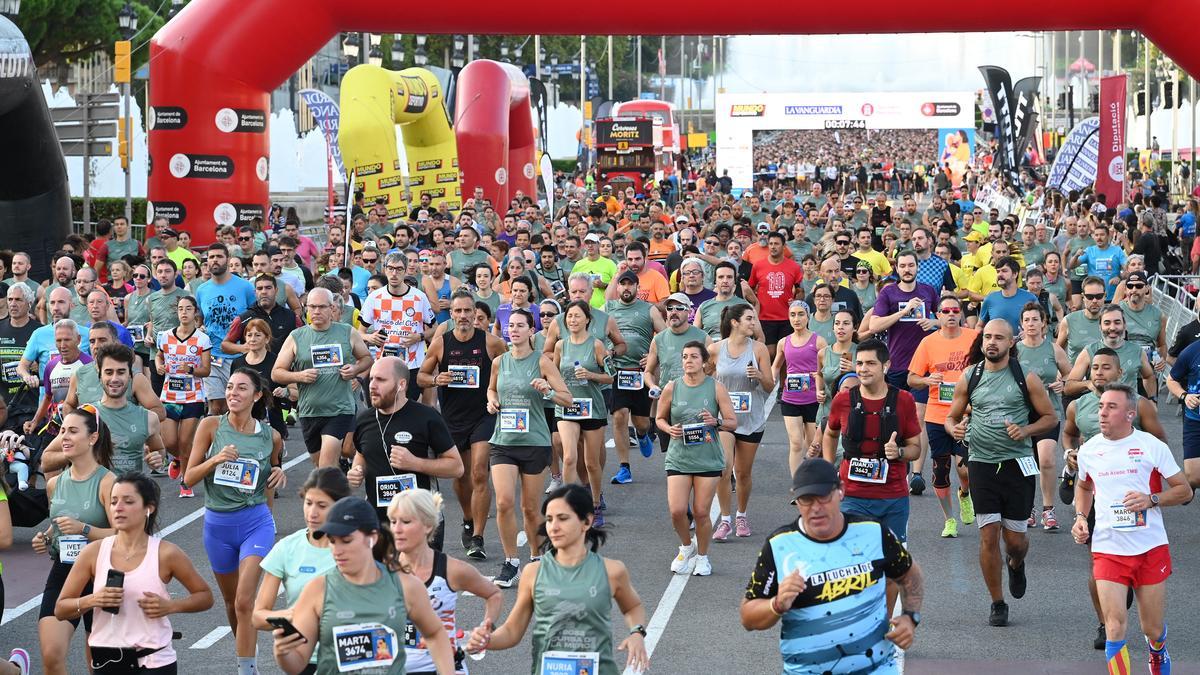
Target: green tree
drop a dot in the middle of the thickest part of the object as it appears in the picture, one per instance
(60, 32)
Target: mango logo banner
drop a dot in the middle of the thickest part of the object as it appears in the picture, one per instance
(1075, 165)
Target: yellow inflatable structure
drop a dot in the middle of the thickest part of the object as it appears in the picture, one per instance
(374, 101)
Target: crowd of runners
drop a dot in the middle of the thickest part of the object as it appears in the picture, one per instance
(527, 356)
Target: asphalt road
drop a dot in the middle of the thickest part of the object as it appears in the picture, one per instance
(694, 625)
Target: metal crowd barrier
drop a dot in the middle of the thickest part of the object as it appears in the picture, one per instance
(1176, 297)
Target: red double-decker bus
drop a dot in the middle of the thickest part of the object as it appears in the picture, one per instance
(628, 152)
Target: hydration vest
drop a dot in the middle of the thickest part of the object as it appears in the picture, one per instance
(889, 422)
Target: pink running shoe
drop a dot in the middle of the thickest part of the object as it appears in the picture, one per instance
(741, 526)
(722, 531)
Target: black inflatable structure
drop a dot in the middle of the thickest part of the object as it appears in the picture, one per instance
(35, 196)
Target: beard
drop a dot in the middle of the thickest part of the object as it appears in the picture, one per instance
(996, 358)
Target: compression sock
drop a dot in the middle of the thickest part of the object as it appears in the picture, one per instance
(1160, 644)
(247, 665)
(1118, 657)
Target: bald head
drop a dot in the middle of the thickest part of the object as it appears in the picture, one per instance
(389, 380)
(997, 340)
(59, 303)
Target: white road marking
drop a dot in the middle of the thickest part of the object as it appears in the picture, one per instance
(670, 597)
(174, 527)
(211, 639)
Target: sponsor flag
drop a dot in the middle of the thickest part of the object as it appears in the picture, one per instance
(327, 115)
(1025, 117)
(1075, 165)
(999, 87)
(1110, 171)
(349, 219)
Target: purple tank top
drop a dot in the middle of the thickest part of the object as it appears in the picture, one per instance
(800, 381)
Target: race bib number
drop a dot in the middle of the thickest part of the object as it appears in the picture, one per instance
(387, 487)
(1028, 466)
(395, 349)
(514, 421)
(69, 547)
(916, 313)
(463, 377)
(241, 474)
(945, 392)
(630, 380)
(137, 332)
(698, 433)
(570, 663)
(740, 400)
(10, 372)
(798, 382)
(1124, 519)
(327, 356)
(364, 645)
(839, 306)
(868, 470)
(879, 232)
(1104, 265)
(557, 288)
(1080, 270)
(580, 409)
(180, 384)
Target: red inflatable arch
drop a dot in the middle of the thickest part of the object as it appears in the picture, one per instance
(212, 67)
(494, 128)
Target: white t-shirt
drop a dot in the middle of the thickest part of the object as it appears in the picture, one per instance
(399, 315)
(1139, 462)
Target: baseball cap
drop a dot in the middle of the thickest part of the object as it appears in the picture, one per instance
(744, 230)
(167, 232)
(592, 236)
(815, 477)
(573, 202)
(763, 227)
(1137, 276)
(681, 220)
(627, 275)
(347, 515)
(974, 236)
(680, 298)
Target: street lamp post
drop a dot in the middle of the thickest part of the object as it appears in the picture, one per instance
(10, 8)
(176, 7)
(127, 20)
(351, 47)
(397, 51)
(420, 57)
(457, 58)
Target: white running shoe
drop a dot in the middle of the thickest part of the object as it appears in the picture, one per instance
(555, 483)
(703, 567)
(681, 562)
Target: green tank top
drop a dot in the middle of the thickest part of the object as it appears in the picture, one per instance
(1087, 416)
(330, 395)
(670, 352)
(460, 262)
(521, 421)
(800, 248)
(995, 400)
(598, 328)
(1081, 332)
(138, 313)
(163, 310)
(1142, 327)
(572, 611)
(710, 313)
(823, 328)
(492, 301)
(866, 296)
(78, 499)
(1058, 288)
(88, 388)
(636, 327)
(129, 428)
(254, 451)
(118, 249)
(832, 372)
(699, 450)
(1130, 357)
(1040, 360)
(360, 613)
(593, 393)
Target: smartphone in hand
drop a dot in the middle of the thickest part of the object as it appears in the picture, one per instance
(287, 626)
(116, 579)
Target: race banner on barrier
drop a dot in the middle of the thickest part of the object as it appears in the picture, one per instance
(1110, 172)
(1075, 166)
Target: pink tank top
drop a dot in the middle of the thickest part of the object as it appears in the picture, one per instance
(131, 628)
(800, 375)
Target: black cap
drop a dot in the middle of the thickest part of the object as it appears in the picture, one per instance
(814, 477)
(347, 515)
(1137, 276)
(627, 275)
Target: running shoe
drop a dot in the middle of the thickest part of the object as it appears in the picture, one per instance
(603, 506)
(20, 658)
(916, 484)
(174, 471)
(624, 475)
(597, 518)
(966, 508)
(1100, 639)
(508, 574)
(160, 471)
(468, 534)
(556, 482)
(950, 531)
(1032, 522)
(721, 533)
(1066, 487)
(185, 492)
(475, 550)
(634, 441)
(1017, 580)
(999, 614)
(686, 553)
(646, 445)
(741, 526)
(1049, 521)
(703, 568)
(1160, 663)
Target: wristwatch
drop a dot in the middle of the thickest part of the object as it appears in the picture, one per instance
(86, 529)
(639, 629)
(1153, 499)
(915, 616)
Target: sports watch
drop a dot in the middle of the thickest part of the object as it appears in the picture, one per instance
(915, 616)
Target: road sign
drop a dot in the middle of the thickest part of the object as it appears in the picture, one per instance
(95, 114)
(74, 132)
(93, 149)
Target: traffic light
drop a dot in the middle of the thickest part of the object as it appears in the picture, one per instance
(1168, 94)
(121, 64)
(1139, 104)
(122, 144)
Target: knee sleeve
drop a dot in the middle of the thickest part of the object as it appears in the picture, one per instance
(941, 471)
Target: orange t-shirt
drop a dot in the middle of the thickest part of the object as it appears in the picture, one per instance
(757, 252)
(937, 354)
(652, 286)
(660, 250)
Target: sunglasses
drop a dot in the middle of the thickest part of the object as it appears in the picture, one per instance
(245, 238)
(141, 276)
(677, 308)
(842, 242)
(1133, 286)
(809, 500)
(950, 310)
(549, 315)
(1093, 296)
(370, 261)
